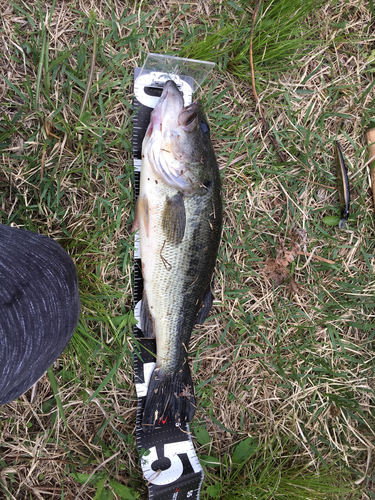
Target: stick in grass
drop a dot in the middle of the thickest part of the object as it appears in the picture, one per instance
(281, 154)
(90, 77)
(370, 137)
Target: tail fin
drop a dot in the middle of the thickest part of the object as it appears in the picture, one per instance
(170, 398)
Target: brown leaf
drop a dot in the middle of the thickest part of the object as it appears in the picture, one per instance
(277, 269)
(48, 126)
(294, 287)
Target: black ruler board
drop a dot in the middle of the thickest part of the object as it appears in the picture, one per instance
(168, 460)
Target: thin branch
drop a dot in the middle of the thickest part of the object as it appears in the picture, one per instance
(90, 77)
(317, 257)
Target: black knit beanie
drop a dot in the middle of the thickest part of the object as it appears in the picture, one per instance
(39, 307)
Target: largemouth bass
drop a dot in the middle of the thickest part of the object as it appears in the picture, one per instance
(179, 214)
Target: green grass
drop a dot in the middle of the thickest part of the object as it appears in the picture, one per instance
(280, 32)
(284, 381)
(267, 470)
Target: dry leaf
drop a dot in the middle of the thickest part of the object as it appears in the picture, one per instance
(48, 126)
(294, 287)
(277, 269)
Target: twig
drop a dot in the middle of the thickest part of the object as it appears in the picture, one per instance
(90, 77)
(281, 154)
(322, 259)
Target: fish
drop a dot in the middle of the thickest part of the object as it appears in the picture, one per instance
(179, 217)
(343, 185)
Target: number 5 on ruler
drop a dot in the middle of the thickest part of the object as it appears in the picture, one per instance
(174, 471)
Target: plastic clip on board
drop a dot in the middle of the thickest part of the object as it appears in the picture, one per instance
(168, 460)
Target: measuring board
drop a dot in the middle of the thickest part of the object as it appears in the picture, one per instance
(168, 460)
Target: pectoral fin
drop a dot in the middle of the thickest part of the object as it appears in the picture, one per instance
(141, 214)
(135, 224)
(174, 218)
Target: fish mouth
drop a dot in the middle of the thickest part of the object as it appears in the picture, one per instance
(170, 112)
(170, 137)
(167, 110)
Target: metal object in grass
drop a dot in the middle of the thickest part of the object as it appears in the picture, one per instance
(343, 186)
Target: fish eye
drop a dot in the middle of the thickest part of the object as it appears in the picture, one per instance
(205, 128)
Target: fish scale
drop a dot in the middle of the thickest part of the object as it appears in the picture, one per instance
(175, 278)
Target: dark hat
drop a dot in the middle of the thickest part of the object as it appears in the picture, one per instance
(39, 307)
